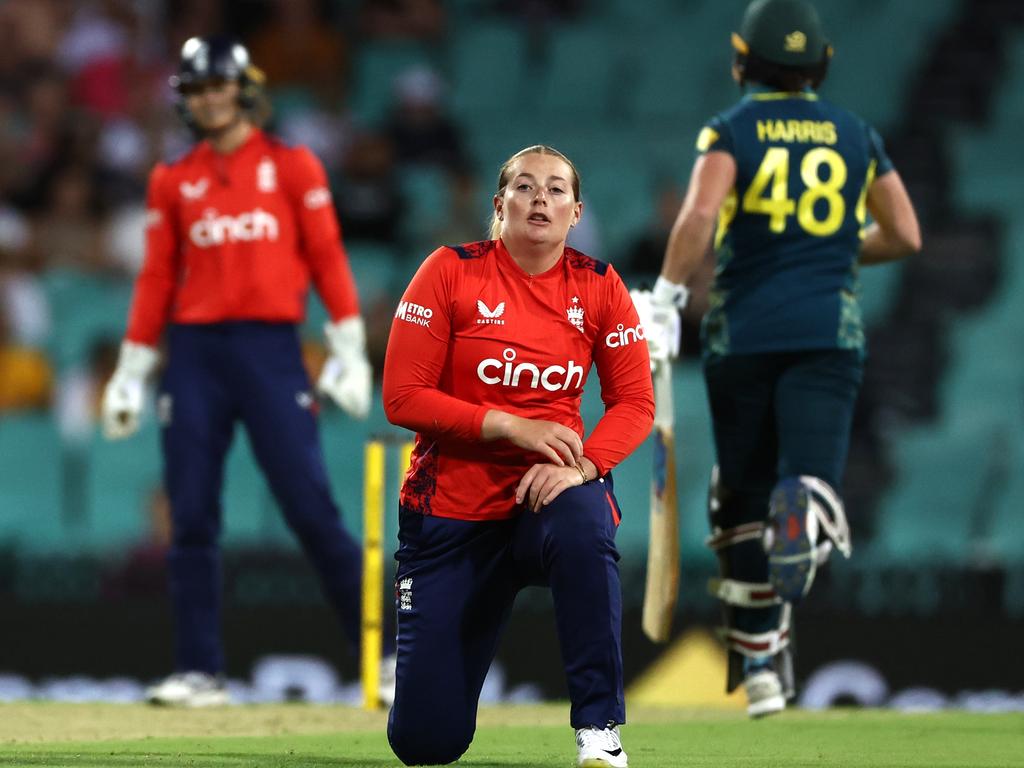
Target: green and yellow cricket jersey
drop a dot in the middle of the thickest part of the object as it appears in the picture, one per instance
(789, 231)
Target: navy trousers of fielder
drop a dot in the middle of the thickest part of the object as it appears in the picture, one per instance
(455, 585)
(774, 415)
(250, 372)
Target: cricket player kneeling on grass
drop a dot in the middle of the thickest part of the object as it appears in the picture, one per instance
(487, 360)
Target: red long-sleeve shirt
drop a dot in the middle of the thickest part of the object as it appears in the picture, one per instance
(474, 332)
(238, 236)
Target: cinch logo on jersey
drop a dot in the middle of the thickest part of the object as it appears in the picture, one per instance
(623, 337)
(508, 373)
(214, 229)
(414, 313)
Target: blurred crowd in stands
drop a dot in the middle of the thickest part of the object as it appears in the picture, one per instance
(86, 111)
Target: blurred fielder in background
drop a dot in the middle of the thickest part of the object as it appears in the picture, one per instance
(235, 232)
(488, 356)
(788, 180)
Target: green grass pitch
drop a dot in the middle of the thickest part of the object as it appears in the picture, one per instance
(93, 735)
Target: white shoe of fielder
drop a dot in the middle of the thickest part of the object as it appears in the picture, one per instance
(188, 689)
(764, 693)
(599, 748)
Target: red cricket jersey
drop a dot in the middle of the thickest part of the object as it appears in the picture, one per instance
(238, 237)
(474, 331)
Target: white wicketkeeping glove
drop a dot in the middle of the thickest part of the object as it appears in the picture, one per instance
(347, 377)
(126, 391)
(659, 313)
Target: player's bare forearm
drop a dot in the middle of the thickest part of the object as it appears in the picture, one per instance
(880, 247)
(497, 425)
(559, 444)
(687, 244)
(895, 232)
(714, 174)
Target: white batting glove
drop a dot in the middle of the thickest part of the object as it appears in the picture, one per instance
(659, 313)
(126, 391)
(347, 377)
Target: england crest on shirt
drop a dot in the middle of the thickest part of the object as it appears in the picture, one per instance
(575, 314)
(266, 175)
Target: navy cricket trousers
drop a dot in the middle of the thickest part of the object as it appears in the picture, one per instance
(454, 589)
(250, 372)
(775, 415)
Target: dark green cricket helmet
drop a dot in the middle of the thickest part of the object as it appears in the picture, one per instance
(783, 32)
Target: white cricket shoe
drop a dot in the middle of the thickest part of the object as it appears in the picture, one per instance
(764, 693)
(388, 669)
(188, 689)
(599, 748)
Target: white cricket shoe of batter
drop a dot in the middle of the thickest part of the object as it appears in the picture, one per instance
(764, 693)
(188, 689)
(599, 748)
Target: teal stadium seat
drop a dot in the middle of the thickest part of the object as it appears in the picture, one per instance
(85, 308)
(30, 481)
(427, 192)
(291, 101)
(377, 270)
(1005, 539)
(631, 16)
(988, 179)
(926, 518)
(950, 473)
(674, 84)
(122, 475)
(376, 68)
(616, 191)
(878, 41)
(487, 66)
(877, 287)
(580, 80)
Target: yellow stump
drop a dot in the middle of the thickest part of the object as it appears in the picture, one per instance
(374, 495)
(373, 571)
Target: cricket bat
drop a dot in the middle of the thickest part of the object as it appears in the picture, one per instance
(662, 588)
